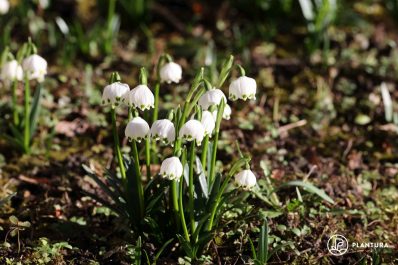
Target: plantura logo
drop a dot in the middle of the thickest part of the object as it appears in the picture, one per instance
(337, 245)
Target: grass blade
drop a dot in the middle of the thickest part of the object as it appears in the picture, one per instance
(310, 188)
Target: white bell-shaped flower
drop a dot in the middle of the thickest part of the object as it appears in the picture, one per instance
(44, 4)
(4, 7)
(192, 130)
(171, 72)
(226, 113)
(208, 122)
(243, 88)
(245, 179)
(163, 130)
(137, 129)
(35, 67)
(11, 71)
(114, 93)
(140, 97)
(211, 97)
(171, 168)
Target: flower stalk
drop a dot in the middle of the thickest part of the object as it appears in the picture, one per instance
(26, 142)
(215, 143)
(15, 116)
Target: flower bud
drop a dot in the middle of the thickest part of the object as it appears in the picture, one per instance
(208, 122)
(163, 130)
(4, 7)
(171, 168)
(192, 130)
(243, 88)
(11, 71)
(140, 97)
(114, 93)
(245, 179)
(35, 67)
(226, 114)
(137, 129)
(170, 72)
(211, 97)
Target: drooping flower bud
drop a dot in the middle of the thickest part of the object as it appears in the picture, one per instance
(226, 114)
(171, 72)
(208, 122)
(211, 97)
(245, 179)
(35, 67)
(163, 130)
(171, 168)
(192, 130)
(11, 71)
(114, 93)
(137, 129)
(243, 88)
(140, 97)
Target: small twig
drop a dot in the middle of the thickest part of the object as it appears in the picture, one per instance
(218, 256)
(287, 127)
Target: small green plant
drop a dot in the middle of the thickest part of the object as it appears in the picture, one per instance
(16, 227)
(24, 69)
(319, 16)
(186, 202)
(47, 252)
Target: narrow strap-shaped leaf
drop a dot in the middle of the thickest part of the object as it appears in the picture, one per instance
(161, 250)
(252, 248)
(153, 202)
(35, 109)
(113, 207)
(263, 243)
(101, 184)
(16, 132)
(15, 142)
(201, 222)
(185, 245)
(310, 188)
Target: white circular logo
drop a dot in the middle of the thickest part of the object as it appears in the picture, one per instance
(337, 245)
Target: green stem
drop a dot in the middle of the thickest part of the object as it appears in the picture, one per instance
(215, 143)
(111, 14)
(117, 144)
(14, 103)
(148, 157)
(204, 153)
(137, 179)
(191, 186)
(236, 166)
(156, 105)
(217, 202)
(182, 216)
(174, 198)
(26, 142)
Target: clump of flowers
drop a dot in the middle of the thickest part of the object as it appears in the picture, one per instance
(184, 198)
(25, 68)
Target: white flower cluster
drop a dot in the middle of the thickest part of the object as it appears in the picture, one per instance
(142, 98)
(33, 67)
